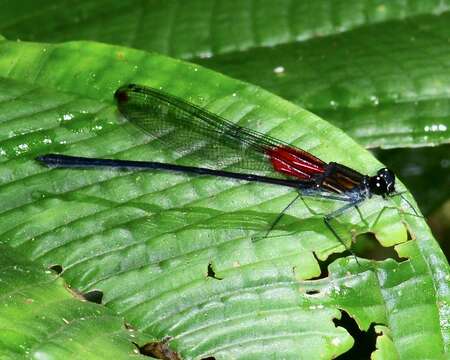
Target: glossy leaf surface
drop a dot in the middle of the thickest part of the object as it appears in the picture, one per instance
(43, 319)
(177, 256)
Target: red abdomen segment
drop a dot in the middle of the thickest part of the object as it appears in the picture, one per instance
(295, 162)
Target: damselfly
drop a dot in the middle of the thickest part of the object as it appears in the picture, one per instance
(232, 151)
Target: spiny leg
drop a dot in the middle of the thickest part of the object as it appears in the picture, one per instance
(335, 213)
(361, 216)
(303, 192)
(410, 205)
(408, 202)
(327, 220)
(311, 210)
(278, 218)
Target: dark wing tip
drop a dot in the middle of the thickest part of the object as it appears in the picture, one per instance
(121, 94)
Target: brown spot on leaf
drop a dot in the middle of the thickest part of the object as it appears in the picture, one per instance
(120, 55)
(159, 350)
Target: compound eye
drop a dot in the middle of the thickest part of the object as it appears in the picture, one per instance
(378, 185)
(381, 183)
(383, 172)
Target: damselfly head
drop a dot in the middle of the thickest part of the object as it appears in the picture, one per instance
(383, 183)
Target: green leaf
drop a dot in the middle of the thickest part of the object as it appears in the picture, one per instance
(385, 346)
(42, 319)
(378, 70)
(177, 256)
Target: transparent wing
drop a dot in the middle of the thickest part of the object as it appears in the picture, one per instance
(211, 140)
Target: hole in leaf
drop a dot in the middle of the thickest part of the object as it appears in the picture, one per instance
(94, 296)
(409, 233)
(211, 273)
(209, 358)
(324, 263)
(158, 350)
(312, 292)
(365, 341)
(368, 247)
(57, 268)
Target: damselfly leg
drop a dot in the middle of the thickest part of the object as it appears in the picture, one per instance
(408, 202)
(278, 218)
(327, 218)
